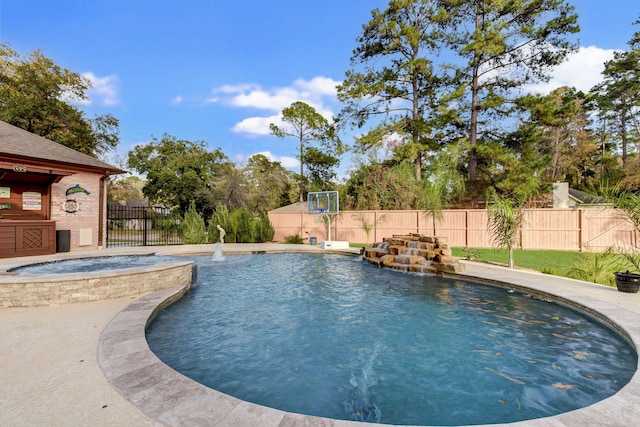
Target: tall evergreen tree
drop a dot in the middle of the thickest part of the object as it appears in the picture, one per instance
(304, 123)
(397, 86)
(560, 123)
(502, 45)
(617, 97)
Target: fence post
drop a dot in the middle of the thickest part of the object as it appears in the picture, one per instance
(579, 230)
(144, 227)
(466, 228)
(375, 227)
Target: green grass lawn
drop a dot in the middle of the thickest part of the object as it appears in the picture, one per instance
(591, 267)
(552, 262)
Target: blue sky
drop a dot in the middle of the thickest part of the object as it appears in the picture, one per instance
(221, 71)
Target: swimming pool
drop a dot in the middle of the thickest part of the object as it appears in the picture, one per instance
(331, 336)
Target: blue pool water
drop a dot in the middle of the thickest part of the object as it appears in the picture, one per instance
(85, 265)
(332, 336)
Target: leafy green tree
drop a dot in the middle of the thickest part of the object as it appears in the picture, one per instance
(627, 201)
(240, 226)
(243, 230)
(320, 167)
(305, 124)
(228, 187)
(510, 166)
(559, 121)
(502, 45)
(268, 184)
(35, 95)
(129, 188)
(442, 187)
(397, 85)
(382, 186)
(176, 170)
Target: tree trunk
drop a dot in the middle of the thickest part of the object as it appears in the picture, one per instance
(511, 263)
(623, 136)
(415, 113)
(473, 134)
(301, 170)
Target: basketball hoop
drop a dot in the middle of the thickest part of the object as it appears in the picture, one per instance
(321, 204)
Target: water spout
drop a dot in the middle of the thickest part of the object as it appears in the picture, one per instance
(217, 253)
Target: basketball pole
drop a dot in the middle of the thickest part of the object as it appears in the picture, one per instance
(329, 230)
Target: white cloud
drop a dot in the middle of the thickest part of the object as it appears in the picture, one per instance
(104, 90)
(316, 92)
(581, 70)
(256, 125)
(265, 100)
(177, 100)
(317, 86)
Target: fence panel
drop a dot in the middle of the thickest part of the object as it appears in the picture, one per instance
(141, 226)
(560, 229)
(604, 228)
(551, 229)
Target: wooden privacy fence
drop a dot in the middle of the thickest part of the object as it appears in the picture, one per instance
(562, 229)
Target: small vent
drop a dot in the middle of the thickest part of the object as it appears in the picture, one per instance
(32, 238)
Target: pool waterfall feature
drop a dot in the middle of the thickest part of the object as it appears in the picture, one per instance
(415, 253)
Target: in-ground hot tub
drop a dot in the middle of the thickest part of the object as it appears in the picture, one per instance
(91, 279)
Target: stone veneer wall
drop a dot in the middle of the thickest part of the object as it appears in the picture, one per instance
(37, 290)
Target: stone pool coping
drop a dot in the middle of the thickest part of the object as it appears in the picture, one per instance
(173, 399)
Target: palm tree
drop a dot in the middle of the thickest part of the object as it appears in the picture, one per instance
(506, 217)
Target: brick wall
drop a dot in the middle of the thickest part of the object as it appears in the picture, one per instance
(87, 215)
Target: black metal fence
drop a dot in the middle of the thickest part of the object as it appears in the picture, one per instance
(141, 226)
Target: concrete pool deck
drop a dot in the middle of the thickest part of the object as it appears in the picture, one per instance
(52, 359)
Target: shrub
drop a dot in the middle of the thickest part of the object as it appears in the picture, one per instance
(168, 227)
(192, 229)
(242, 220)
(220, 217)
(595, 267)
(471, 253)
(293, 239)
(240, 226)
(264, 230)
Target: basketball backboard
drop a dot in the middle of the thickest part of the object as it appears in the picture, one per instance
(323, 203)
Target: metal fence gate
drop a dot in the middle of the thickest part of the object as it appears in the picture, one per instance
(141, 226)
